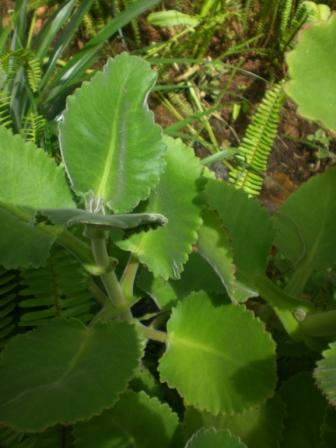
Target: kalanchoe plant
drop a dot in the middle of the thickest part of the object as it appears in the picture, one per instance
(196, 247)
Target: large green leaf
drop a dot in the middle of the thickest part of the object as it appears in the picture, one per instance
(64, 372)
(164, 251)
(206, 438)
(110, 144)
(209, 361)
(259, 427)
(215, 247)
(312, 72)
(29, 180)
(251, 233)
(325, 373)
(305, 412)
(249, 226)
(136, 420)
(305, 228)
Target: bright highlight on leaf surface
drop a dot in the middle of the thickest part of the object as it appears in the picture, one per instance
(312, 72)
(29, 180)
(65, 372)
(110, 144)
(206, 438)
(136, 420)
(164, 251)
(325, 373)
(215, 354)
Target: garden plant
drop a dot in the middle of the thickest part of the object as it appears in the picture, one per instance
(162, 306)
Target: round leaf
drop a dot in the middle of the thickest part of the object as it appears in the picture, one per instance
(312, 72)
(164, 251)
(110, 144)
(136, 420)
(64, 372)
(206, 438)
(29, 180)
(214, 355)
(259, 427)
(325, 373)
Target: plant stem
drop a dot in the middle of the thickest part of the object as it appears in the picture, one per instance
(151, 333)
(109, 279)
(320, 324)
(128, 277)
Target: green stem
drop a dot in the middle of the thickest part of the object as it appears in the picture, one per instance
(219, 156)
(109, 278)
(320, 324)
(151, 333)
(128, 277)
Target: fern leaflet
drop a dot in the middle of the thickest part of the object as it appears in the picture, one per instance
(257, 143)
(8, 297)
(61, 289)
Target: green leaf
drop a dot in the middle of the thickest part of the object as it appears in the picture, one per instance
(305, 233)
(197, 275)
(110, 144)
(214, 245)
(71, 217)
(249, 226)
(259, 427)
(312, 72)
(29, 180)
(172, 18)
(325, 373)
(206, 438)
(136, 420)
(305, 411)
(65, 363)
(164, 251)
(208, 360)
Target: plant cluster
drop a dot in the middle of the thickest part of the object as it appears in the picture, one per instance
(168, 307)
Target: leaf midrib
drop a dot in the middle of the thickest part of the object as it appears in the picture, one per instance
(111, 152)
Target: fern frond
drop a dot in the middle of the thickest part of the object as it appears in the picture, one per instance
(257, 143)
(34, 71)
(286, 12)
(8, 300)
(299, 18)
(61, 289)
(99, 14)
(5, 114)
(11, 61)
(33, 128)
